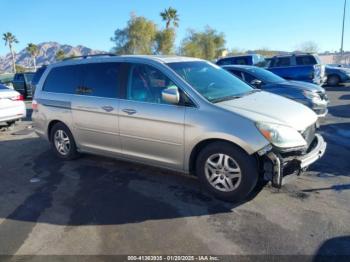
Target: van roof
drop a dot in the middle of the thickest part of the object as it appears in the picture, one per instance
(111, 57)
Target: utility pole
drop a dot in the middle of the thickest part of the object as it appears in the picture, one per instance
(342, 34)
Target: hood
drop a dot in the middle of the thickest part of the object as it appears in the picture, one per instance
(267, 107)
(301, 86)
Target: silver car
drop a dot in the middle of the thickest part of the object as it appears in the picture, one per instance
(178, 113)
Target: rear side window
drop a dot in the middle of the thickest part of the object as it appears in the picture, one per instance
(242, 61)
(64, 79)
(102, 79)
(282, 61)
(225, 61)
(306, 60)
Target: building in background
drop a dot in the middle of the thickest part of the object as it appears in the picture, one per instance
(335, 58)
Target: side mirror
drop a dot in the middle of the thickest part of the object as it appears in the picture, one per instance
(256, 82)
(171, 95)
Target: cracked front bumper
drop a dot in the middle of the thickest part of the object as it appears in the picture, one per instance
(279, 168)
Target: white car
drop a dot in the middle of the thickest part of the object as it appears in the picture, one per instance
(12, 107)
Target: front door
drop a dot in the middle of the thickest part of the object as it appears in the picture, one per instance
(151, 130)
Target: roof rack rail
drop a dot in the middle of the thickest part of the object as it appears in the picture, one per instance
(87, 56)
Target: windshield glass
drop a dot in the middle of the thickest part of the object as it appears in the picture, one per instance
(266, 76)
(211, 81)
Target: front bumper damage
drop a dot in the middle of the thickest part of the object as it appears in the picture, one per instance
(279, 167)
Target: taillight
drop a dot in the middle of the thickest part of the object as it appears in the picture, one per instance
(17, 98)
(34, 105)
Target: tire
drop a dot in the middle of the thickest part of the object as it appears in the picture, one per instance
(11, 123)
(241, 184)
(333, 80)
(62, 142)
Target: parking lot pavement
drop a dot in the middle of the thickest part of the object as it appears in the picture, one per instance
(97, 205)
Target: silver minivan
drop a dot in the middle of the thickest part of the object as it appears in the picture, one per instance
(178, 113)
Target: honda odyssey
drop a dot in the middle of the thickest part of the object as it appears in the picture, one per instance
(178, 113)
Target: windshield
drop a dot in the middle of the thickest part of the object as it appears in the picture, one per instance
(211, 81)
(266, 76)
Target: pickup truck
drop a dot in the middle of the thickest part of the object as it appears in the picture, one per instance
(300, 67)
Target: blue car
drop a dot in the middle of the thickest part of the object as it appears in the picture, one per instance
(311, 95)
(337, 75)
(249, 59)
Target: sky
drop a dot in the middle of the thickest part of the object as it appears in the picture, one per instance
(247, 25)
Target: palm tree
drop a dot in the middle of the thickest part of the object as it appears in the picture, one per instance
(170, 15)
(10, 39)
(33, 50)
(60, 55)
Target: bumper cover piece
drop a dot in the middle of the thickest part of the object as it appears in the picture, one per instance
(278, 169)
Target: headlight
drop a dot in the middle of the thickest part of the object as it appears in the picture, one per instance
(315, 97)
(281, 136)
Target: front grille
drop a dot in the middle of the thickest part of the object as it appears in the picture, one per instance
(309, 134)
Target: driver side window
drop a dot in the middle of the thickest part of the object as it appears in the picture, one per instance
(248, 77)
(146, 84)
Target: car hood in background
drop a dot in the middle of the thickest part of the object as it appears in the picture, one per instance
(267, 107)
(298, 85)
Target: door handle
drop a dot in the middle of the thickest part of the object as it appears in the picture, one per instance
(129, 111)
(107, 108)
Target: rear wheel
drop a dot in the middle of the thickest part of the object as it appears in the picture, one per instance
(333, 80)
(227, 171)
(62, 142)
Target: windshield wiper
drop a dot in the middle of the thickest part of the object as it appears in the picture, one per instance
(225, 98)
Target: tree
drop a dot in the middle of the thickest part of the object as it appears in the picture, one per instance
(308, 47)
(60, 55)
(236, 51)
(165, 41)
(138, 37)
(33, 50)
(170, 16)
(208, 44)
(10, 39)
(20, 69)
(266, 52)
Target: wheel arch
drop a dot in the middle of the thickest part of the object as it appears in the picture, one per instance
(202, 144)
(51, 124)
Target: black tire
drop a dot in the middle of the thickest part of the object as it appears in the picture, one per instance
(247, 164)
(11, 123)
(333, 80)
(71, 152)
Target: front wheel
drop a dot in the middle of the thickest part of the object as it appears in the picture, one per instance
(227, 171)
(333, 80)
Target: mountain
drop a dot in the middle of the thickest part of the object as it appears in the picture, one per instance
(47, 54)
